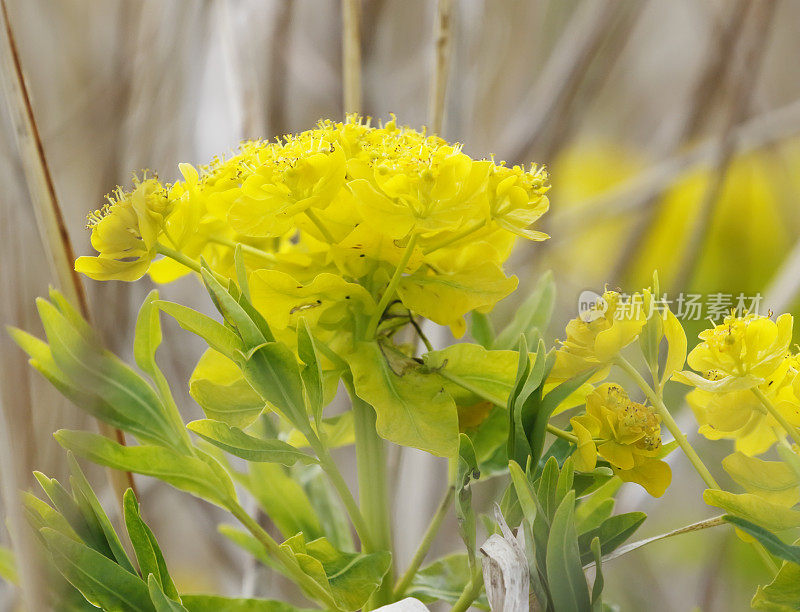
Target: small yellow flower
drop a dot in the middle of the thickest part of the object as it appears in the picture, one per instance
(125, 232)
(739, 415)
(741, 353)
(597, 336)
(624, 433)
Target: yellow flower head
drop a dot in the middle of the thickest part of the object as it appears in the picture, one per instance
(624, 433)
(598, 335)
(125, 232)
(740, 416)
(740, 353)
(350, 200)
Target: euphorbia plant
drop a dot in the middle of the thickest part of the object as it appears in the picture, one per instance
(325, 254)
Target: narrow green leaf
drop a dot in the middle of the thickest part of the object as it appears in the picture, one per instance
(312, 372)
(218, 337)
(232, 311)
(597, 587)
(82, 488)
(101, 581)
(148, 553)
(241, 272)
(771, 542)
(533, 314)
(444, 580)
(190, 474)
(250, 448)
(565, 577)
(466, 472)
(481, 329)
(525, 494)
(147, 337)
(612, 533)
(272, 371)
(160, 599)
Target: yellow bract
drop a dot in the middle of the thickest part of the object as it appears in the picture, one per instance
(624, 433)
(342, 205)
(739, 415)
(597, 336)
(741, 353)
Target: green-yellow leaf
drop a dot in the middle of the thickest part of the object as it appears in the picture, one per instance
(773, 480)
(215, 603)
(412, 407)
(218, 337)
(191, 474)
(250, 448)
(754, 508)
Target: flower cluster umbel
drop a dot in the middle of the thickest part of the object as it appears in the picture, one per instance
(326, 219)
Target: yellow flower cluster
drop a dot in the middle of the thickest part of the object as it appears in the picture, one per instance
(339, 219)
(624, 433)
(748, 387)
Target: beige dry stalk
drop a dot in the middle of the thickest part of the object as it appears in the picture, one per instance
(43, 196)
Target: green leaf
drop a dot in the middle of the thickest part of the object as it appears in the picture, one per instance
(219, 386)
(568, 587)
(81, 489)
(216, 335)
(191, 474)
(753, 508)
(101, 581)
(241, 271)
(327, 503)
(245, 446)
(99, 373)
(444, 580)
(528, 500)
(597, 587)
(350, 578)
(412, 407)
(490, 372)
(312, 372)
(160, 599)
(481, 329)
(283, 500)
(533, 314)
(466, 472)
(612, 533)
(215, 603)
(147, 337)
(145, 546)
(771, 542)
(783, 593)
(272, 370)
(39, 514)
(772, 480)
(233, 313)
(596, 508)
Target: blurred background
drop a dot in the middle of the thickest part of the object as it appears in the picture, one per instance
(670, 128)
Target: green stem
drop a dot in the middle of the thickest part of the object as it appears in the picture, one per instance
(286, 559)
(669, 422)
(425, 544)
(790, 429)
(560, 433)
(187, 261)
(320, 225)
(372, 488)
(470, 593)
(372, 326)
(336, 479)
